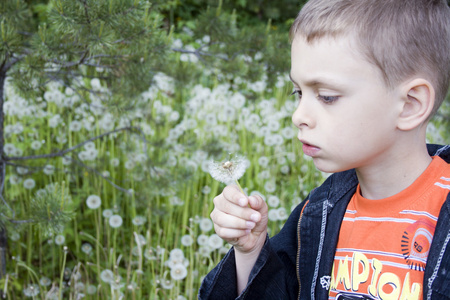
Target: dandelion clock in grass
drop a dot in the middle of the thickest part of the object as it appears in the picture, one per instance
(115, 221)
(93, 201)
(229, 171)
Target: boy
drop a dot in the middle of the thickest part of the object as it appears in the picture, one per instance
(369, 74)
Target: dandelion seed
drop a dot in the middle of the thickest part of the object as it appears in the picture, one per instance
(176, 255)
(32, 290)
(270, 186)
(93, 201)
(187, 240)
(115, 162)
(115, 221)
(107, 213)
(215, 242)
(59, 239)
(141, 240)
(202, 239)
(49, 169)
(273, 214)
(14, 179)
(91, 289)
(75, 126)
(263, 161)
(29, 183)
(107, 276)
(178, 272)
(282, 214)
(273, 201)
(36, 145)
(9, 149)
(206, 225)
(206, 190)
(139, 220)
(86, 248)
(45, 281)
(229, 171)
(284, 169)
(22, 170)
(204, 250)
(167, 284)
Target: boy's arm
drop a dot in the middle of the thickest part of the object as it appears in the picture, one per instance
(273, 275)
(244, 265)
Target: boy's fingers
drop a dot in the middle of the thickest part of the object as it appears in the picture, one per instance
(224, 208)
(256, 202)
(230, 234)
(225, 220)
(234, 195)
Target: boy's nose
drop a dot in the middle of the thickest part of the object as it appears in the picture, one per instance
(302, 116)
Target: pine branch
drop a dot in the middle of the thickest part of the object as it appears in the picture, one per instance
(101, 175)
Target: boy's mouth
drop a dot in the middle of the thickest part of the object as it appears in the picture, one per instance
(309, 149)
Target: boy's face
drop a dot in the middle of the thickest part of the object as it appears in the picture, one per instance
(346, 115)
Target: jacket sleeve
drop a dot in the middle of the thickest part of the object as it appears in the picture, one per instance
(273, 276)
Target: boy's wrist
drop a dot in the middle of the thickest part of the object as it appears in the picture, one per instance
(254, 252)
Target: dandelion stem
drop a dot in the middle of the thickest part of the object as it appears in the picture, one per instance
(61, 277)
(240, 188)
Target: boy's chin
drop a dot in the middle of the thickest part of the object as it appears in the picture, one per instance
(328, 167)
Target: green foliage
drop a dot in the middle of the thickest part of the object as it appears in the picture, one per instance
(120, 39)
(52, 208)
(249, 12)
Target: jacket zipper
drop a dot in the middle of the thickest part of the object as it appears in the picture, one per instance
(298, 249)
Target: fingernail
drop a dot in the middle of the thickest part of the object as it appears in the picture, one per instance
(254, 217)
(242, 201)
(247, 231)
(250, 225)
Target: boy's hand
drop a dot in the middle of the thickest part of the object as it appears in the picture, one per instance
(239, 220)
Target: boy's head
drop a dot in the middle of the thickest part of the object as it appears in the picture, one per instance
(402, 38)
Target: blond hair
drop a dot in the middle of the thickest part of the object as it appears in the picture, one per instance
(403, 38)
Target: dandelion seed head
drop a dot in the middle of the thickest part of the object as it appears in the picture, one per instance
(59, 239)
(45, 281)
(167, 284)
(93, 201)
(86, 248)
(176, 254)
(107, 276)
(206, 225)
(107, 213)
(115, 221)
(91, 289)
(187, 240)
(29, 183)
(214, 241)
(228, 171)
(139, 220)
(178, 272)
(202, 239)
(36, 145)
(49, 169)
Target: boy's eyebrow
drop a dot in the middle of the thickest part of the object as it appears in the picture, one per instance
(316, 82)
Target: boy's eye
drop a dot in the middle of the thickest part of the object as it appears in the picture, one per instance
(328, 99)
(297, 92)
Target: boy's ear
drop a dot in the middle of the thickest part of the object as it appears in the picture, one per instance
(417, 103)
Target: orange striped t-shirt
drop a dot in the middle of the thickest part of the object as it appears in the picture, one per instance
(383, 244)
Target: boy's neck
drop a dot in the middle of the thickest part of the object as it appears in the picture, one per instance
(397, 172)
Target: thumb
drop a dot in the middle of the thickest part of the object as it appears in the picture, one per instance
(257, 203)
